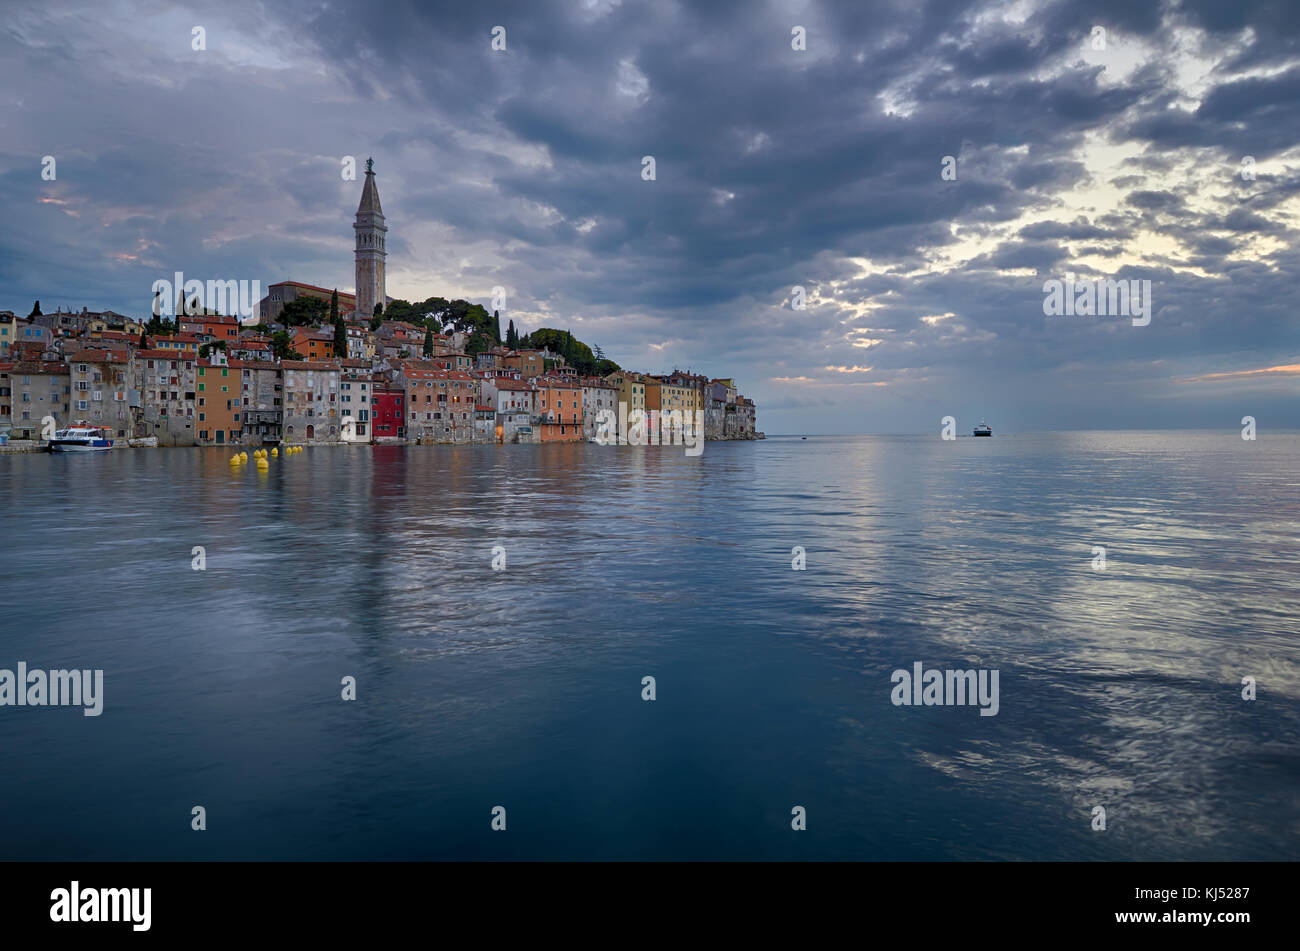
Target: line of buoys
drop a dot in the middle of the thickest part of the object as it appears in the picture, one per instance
(262, 456)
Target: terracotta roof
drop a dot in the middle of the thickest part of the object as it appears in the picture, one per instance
(309, 364)
(313, 287)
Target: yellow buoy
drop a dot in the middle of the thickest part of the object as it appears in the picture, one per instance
(243, 457)
(262, 464)
(275, 452)
(235, 461)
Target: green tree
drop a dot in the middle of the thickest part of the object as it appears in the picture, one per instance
(375, 321)
(379, 309)
(282, 346)
(305, 311)
(428, 341)
(512, 336)
(398, 310)
(340, 329)
(496, 326)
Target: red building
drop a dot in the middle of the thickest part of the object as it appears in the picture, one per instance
(389, 402)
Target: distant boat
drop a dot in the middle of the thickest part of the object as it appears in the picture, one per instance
(80, 438)
(983, 429)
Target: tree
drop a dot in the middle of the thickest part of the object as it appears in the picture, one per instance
(144, 341)
(375, 322)
(398, 310)
(597, 353)
(340, 329)
(379, 309)
(36, 310)
(496, 326)
(282, 346)
(428, 341)
(512, 336)
(305, 311)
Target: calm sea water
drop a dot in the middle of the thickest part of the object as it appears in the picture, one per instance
(522, 688)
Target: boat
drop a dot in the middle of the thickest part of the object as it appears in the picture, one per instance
(80, 438)
(983, 429)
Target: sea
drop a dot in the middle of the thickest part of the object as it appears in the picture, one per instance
(579, 652)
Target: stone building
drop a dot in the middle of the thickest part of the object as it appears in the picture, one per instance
(311, 401)
(165, 380)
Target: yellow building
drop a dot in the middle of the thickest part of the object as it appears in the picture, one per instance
(631, 389)
(8, 330)
(669, 397)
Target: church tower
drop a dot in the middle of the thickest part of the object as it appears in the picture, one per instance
(370, 252)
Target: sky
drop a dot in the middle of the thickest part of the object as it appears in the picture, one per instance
(858, 231)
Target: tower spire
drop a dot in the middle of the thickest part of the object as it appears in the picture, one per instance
(370, 252)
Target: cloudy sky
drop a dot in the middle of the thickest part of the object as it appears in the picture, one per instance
(1109, 139)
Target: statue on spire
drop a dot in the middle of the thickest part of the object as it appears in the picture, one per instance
(370, 165)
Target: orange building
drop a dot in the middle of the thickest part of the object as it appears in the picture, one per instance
(559, 408)
(314, 344)
(211, 327)
(218, 404)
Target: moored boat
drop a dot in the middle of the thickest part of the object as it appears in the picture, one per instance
(80, 438)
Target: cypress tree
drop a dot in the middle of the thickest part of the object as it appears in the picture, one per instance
(428, 341)
(340, 329)
(496, 326)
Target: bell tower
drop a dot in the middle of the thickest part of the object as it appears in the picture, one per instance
(370, 251)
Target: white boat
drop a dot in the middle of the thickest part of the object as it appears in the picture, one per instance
(80, 438)
(983, 429)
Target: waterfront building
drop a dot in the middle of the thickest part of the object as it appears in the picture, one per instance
(597, 395)
(219, 409)
(166, 382)
(559, 409)
(515, 403)
(355, 392)
(100, 389)
(388, 401)
(37, 388)
(311, 401)
(631, 388)
(261, 392)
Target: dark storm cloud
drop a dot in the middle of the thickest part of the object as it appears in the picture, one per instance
(775, 168)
